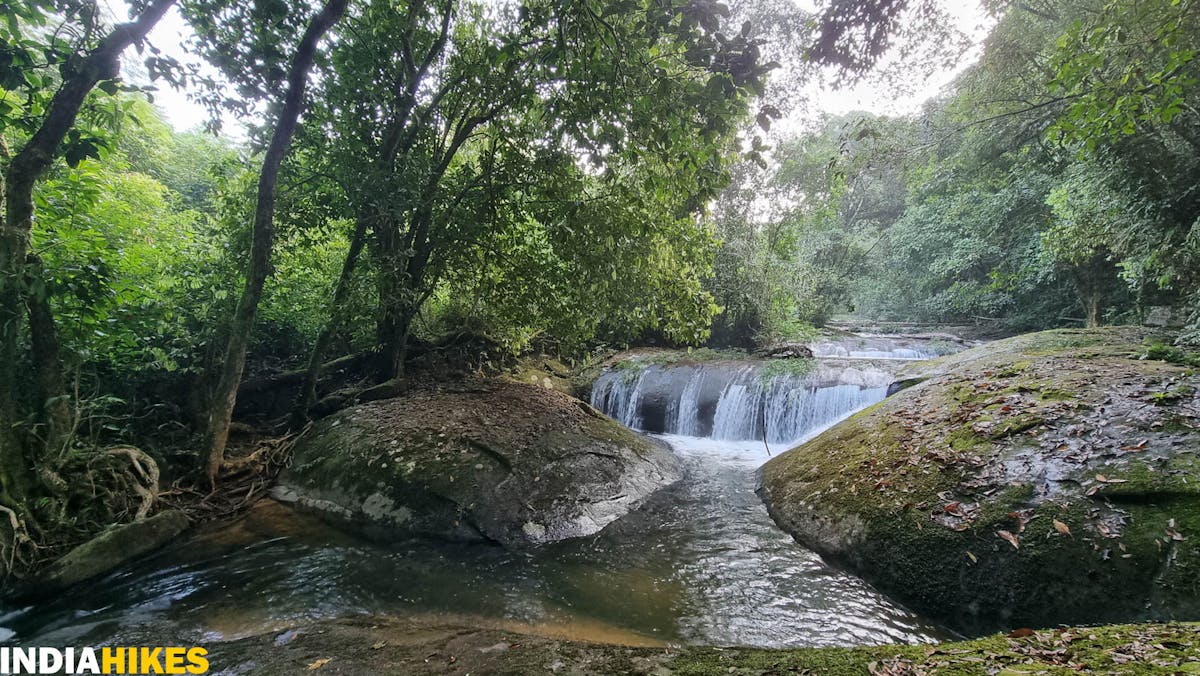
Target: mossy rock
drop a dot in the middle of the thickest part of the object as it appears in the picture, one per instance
(416, 645)
(495, 460)
(111, 549)
(1033, 481)
(543, 370)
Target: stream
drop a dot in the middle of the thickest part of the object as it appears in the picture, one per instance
(702, 563)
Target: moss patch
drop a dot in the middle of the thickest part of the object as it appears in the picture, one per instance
(1029, 482)
(430, 646)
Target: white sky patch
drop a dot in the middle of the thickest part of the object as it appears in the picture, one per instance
(171, 35)
(903, 98)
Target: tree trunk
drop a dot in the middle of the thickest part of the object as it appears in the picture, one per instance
(341, 294)
(400, 292)
(403, 260)
(225, 396)
(26, 168)
(1091, 306)
(391, 288)
(47, 364)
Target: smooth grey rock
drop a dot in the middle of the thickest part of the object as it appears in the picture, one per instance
(517, 464)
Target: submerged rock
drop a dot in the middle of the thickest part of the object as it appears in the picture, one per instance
(112, 548)
(1044, 479)
(517, 464)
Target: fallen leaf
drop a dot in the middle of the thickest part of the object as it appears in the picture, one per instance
(317, 664)
(1009, 538)
(1061, 527)
(973, 558)
(1020, 633)
(378, 645)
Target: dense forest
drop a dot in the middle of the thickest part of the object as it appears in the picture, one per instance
(550, 176)
(1052, 184)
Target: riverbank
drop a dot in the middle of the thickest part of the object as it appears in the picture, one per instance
(384, 645)
(1041, 480)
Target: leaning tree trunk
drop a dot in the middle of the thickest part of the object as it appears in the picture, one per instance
(26, 168)
(221, 409)
(337, 311)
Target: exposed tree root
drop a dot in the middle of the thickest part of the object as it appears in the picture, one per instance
(107, 486)
(147, 471)
(241, 482)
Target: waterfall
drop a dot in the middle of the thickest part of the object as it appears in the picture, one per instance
(737, 400)
(881, 347)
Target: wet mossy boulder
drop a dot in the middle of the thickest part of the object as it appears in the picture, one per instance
(109, 550)
(1049, 478)
(516, 464)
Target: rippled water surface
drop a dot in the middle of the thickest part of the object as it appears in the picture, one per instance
(703, 563)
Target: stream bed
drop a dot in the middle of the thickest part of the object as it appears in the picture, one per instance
(702, 563)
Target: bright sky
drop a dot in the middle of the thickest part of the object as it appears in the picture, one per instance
(872, 96)
(170, 35)
(876, 97)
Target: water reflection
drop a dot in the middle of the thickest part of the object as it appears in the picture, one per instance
(703, 563)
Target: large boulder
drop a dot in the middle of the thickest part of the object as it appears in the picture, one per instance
(494, 460)
(1049, 478)
(110, 549)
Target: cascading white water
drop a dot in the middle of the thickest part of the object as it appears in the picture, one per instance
(736, 401)
(834, 350)
(623, 399)
(882, 347)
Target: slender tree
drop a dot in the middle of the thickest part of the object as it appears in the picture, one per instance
(230, 376)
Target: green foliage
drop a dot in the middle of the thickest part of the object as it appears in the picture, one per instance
(1031, 194)
(1172, 354)
(142, 250)
(775, 368)
(1129, 66)
(544, 186)
(790, 265)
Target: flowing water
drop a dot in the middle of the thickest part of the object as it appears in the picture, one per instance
(702, 563)
(739, 400)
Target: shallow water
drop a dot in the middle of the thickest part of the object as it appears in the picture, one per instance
(703, 563)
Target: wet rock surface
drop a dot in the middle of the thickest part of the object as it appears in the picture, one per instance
(1048, 478)
(110, 549)
(382, 645)
(517, 464)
